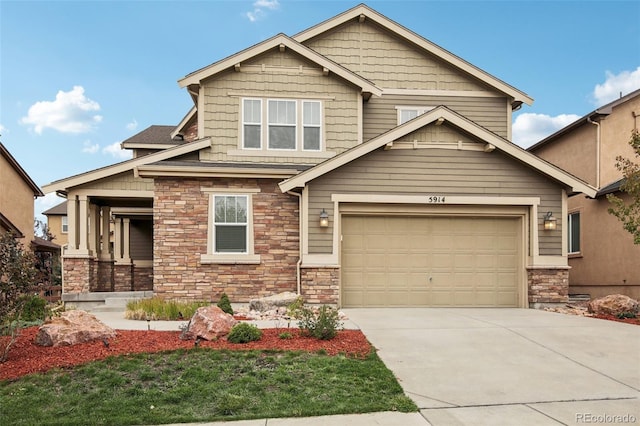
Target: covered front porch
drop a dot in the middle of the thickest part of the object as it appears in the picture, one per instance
(110, 245)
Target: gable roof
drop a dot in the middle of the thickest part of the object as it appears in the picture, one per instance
(435, 115)
(602, 111)
(58, 210)
(153, 137)
(363, 10)
(101, 173)
(12, 161)
(277, 42)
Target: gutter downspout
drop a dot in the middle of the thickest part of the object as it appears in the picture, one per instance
(300, 238)
(589, 120)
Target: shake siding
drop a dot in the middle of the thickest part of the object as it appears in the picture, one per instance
(380, 114)
(433, 171)
(388, 61)
(281, 78)
(122, 181)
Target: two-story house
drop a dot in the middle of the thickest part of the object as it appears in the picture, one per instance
(356, 163)
(602, 255)
(57, 223)
(16, 205)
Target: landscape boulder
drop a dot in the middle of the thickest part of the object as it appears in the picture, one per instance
(209, 323)
(269, 303)
(614, 304)
(71, 328)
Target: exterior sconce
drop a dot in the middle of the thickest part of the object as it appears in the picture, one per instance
(324, 219)
(550, 222)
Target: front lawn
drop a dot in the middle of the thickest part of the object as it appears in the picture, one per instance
(202, 385)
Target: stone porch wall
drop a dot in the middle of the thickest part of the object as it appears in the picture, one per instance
(142, 278)
(548, 286)
(181, 212)
(122, 277)
(320, 285)
(76, 275)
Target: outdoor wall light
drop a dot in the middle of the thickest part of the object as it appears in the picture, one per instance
(550, 222)
(324, 219)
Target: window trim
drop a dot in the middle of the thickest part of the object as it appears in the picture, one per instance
(569, 234)
(419, 109)
(211, 257)
(299, 127)
(64, 223)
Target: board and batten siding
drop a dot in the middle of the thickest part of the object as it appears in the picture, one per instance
(381, 115)
(285, 75)
(433, 172)
(388, 61)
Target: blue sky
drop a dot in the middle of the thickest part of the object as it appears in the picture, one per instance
(77, 78)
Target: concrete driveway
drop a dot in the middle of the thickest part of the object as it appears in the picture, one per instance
(509, 366)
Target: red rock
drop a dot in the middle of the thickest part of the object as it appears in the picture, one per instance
(71, 328)
(613, 304)
(209, 323)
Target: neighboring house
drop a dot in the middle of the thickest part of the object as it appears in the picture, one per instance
(16, 204)
(58, 223)
(355, 162)
(602, 255)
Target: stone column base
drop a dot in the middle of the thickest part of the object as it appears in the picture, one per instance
(548, 287)
(320, 285)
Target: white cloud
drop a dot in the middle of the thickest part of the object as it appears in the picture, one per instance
(46, 202)
(116, 151)
(71, 112)
(133, 125)
(90, 148)
(529, 128)
(258, 9)
(615, 85)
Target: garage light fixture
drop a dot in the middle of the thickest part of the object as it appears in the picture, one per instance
(324, 219)
(550, 222)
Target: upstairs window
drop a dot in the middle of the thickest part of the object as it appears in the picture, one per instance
(65, 225)
(291, 125)
(252, 123)
(574, 233)
(406, 113)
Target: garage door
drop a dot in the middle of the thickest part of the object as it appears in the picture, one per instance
(430, 261)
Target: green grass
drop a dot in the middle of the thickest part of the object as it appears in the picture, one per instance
(202, 385)
(158, 309)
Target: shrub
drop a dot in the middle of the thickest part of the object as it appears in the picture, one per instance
(244, 333)
(293, 309)
(323, 325)
(34, 308)
(285, 335)
(225, 304)
(623, 315)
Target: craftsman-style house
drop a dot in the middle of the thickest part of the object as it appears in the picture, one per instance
(356, 163)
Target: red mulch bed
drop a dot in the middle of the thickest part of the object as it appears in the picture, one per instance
(634, 321)
(25, 357)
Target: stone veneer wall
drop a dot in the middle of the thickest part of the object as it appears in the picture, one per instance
(105, 275)
(142, 278)
(548, 286)
(320, 285)
(180, 211)
(77, 274)
(122, 276)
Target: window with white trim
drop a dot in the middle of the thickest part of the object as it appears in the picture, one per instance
(230, 229)
(65, 224)
(574, 233)
(230, 221)
(406, 113)
(291, 125)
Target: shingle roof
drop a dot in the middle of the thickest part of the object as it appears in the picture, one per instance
(611, 188)
(59, 210)
(154, 135)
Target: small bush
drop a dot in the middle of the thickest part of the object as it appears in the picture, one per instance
(244, 333)
(323, 325)
(225, 304)
(293, 309)
(34, 308)
(623, 315)
(285, 335)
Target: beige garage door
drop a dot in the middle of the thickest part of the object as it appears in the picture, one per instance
(430, 261)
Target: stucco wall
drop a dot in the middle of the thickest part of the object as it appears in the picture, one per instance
(16, 204)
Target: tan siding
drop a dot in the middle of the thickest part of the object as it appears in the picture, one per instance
(433, 171)
(281, 78)
(122, 181)
(389, 62)
(16, 199)
(380, 114)
(141, 239)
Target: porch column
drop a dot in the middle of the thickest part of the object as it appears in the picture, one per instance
(94, 229)
(83, 222)
(105, 247)
(126, 232)
(117, 240)
(72, 229)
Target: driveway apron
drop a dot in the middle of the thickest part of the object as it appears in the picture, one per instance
(509, 366)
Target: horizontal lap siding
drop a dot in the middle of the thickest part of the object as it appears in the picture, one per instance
(380, 114)
(122, 181)
(433, 171)
(222, 117)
